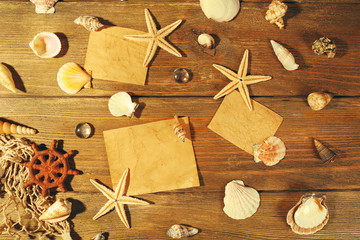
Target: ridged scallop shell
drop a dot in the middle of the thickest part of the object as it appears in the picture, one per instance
(72, 78)
(206, 41)
(46, 45)
(309, 215)
(120, 104)
(270, 152)
(277, 10)
(325, 153)
(57, 212)
(44, 6)
(179, 130)
(90, 23)
(11, 128)
(180, 231)
(6, 78)
(240, 202)
(324, 45)
(220, 10)
(284, 56)
(318, 100)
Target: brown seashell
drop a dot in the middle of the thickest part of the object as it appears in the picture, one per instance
(11, 128)
(277, 10)
(180, 231)
(44, 6)
(325, 153)
(179, 130)
(90, 23)
(324, 45)
(318, 100)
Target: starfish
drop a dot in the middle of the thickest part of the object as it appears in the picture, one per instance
(117, 199)
(239, 80)
(155, 38)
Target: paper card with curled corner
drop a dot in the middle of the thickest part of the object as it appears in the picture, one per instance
(157, 158)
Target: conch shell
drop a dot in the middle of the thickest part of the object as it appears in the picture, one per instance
(324, 45)
(57, 212)
(180, 231)
(179, 130)
(90, 23)
(11, 128)
(309, 215)
(206, 41)
(6, 78)
(318, 100)
(44, 6)
(284, 56)
(277, 10)
(270, 152)
(120, 104)
(325, 153)
(72, 78)
(46, 45)
(220, 10)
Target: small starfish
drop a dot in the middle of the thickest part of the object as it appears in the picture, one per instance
(155, 38)
(117, 199)
(240, 80)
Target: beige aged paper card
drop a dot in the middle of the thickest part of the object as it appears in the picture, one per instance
(157, 158)
(242, 127)
(112, 57)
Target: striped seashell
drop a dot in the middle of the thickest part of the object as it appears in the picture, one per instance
(179, 130)
(285, 57)
(72, 78)
(11, 128)
(277, 10)
(57, 212)
(90, 23)
(318, 100)
(6, 78)
(325, 153)
(44, 6)
(180, 231)
(270, 152)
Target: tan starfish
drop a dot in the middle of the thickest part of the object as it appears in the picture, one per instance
(117, 199)
(156, 38)
(239, 80)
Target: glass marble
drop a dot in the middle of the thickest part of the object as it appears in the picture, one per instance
(83, 130)
(181, 75)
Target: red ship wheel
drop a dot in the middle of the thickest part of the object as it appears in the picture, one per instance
(49, 168)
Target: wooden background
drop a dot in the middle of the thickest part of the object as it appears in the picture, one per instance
(55, 114)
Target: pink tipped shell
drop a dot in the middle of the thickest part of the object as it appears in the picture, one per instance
(44, 6)
(270, 152)
(90, 23)
(11, 128)
(318, 100)
(46, 45)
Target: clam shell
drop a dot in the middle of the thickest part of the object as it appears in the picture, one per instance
(44, 6)
(270, 152)
(318, 100)
(220, 10)
(325, 153)
(180, 231)
(277, 10)
(11, 128)
(240, 202)
(284, 56)
(90, 23)
(206, 41)
(46, 45)
(57, 212)
(120, 104)
(71, 78)
(6, 78)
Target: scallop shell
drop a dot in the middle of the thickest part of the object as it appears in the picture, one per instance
(120, 104)
(57, 212)
(179, 130)
(270, 152)
(318, 100)
(277, 10)
(11, 128)
(6, 78)
(240, 202)
(324, 45)
(71, 78)
(90, 23)
(220, 10)
(44, 6)
(325, 153)
(284, 56)
(180, 231)
(46, 45)
(206, 41)
(309, 215)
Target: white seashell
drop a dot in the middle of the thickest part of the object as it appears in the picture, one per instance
(6, 78)
(120, 104)
(98, 236)
(57, 212)
(206, 41)
(44, 6)
(277, 10)
(180, 231)
(11, 128)
(220, 10)
(46, 45)
(240, 202)
(284, 56)
(90, 23)
(179, 130)
(318, 100)
(270, 152)
(71, 78)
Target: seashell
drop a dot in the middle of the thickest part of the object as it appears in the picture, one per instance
(270, 152)
(180, 231)
(120, 104)
(98, 236)
(11, 128)
(318, 100)
(6, 78)
(179, 130)
(206, 41)
(44, 6)
(58, 211)
(284, 56)
(325, 153)
(90, 23)
(240, 202)
(220, 10)
(46, 45)
(309, 215)
(324, 45)
(71, 78)
(277, 10)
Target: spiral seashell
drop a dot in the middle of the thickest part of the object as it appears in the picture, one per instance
(120, 104)
(277, 10)
(206, 41)
(57, 212)
(11, 128)
(220, 10)
(318, 100)
(179, 130)
(44, 6)
(324, 45)
(284, 56)
(180, 231)
(46, 45)
(270, 152)
(71, 78)
(6, 78)
(240, 202)
(98, 236)
(325, 153)
(90, 23)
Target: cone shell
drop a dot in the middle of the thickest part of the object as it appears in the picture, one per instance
(11, 128)
(6, 78)
(180, 231)
(277, 10)
(284, 56)
(46, 45)
(324, 45)
(71, 78)
(325, 153)
(240, 202)
(90, 23)
(57, 212)
(120, 104)
(309, 215)
(270, 152)
(44, 6)
(206, 41)
(318, 100)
